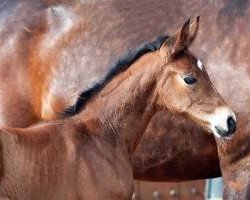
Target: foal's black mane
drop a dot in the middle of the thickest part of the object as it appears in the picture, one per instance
(120, 66)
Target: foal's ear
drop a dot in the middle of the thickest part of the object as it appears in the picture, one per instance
(180, 40)
(193, 30)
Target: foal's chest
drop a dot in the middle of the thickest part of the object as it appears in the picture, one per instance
(106, 173)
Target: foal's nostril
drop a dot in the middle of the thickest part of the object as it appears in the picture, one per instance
(231, 124)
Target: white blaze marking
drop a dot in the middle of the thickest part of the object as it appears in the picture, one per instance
(200, 65)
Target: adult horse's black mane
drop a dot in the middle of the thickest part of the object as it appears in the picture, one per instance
(121, 65)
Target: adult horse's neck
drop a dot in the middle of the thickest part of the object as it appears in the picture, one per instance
(125, 106)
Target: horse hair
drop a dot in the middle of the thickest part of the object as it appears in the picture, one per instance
(119, 66)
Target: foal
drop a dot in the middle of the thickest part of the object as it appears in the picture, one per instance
(88, 155)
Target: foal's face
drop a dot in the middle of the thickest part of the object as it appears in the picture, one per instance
(184, 86)
(186, 89)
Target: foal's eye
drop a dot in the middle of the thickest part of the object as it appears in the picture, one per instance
(190, 80)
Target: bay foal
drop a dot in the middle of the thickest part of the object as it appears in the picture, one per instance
(88, 155)
(52, 50)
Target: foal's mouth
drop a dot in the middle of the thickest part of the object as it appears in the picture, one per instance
(223, 123)
(230, 131)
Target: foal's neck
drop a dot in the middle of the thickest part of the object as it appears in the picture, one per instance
(125, 106)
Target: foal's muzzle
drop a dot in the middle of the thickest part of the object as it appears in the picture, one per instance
(222, 122)
(231, 128)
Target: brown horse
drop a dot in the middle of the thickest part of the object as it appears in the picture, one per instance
(235, 165)
(88, 155)
(43, 66)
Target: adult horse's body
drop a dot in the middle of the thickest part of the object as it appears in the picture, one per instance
(42, 83)
(88, 155)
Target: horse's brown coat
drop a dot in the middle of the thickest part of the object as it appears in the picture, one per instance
(88, 156)
(19, 105)
(223, 45)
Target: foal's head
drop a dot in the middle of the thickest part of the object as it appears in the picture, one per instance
(184, 86)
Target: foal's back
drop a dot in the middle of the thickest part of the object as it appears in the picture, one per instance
(62, 160)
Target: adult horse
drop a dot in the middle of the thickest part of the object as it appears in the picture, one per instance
(41, 55)
(73, 158)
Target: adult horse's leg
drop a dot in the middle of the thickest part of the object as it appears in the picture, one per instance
(235, 161)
